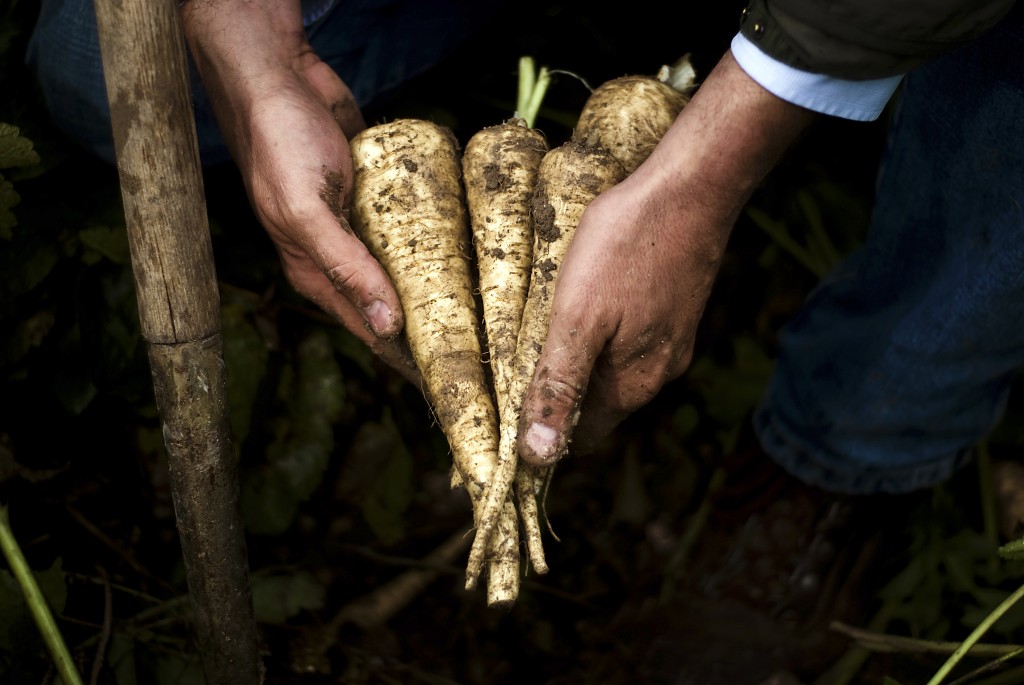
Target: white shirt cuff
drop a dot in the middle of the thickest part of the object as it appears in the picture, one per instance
(856, 100)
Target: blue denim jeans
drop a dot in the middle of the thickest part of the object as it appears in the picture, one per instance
(902, 359)
(374, 45)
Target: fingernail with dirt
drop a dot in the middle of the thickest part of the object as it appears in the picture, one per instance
(543, 440)
(379, 317)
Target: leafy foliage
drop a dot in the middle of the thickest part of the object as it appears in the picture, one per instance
(15, 151)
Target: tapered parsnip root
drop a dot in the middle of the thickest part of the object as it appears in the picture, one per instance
(500, 166)
(408, 207)
(569, 177)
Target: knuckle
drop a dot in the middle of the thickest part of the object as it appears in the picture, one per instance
(554, 392)
(359, 278)
(345, 278)
(285, 209)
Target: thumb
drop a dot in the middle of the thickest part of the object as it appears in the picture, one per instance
(551, 406)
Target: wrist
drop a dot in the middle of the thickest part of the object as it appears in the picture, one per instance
(230, 23)
(237, 42)
(242, 49)
(724, 142)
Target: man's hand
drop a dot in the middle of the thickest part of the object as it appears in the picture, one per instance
(287, 117)
(639, 271)
(630, 293)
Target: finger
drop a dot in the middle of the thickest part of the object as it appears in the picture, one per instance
(551, 407)
(338, 98)
(393, 351)
(343, 279)
(346, 263)
(348, 115)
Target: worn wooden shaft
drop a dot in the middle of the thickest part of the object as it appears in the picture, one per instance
(145, 67)
(191, 395)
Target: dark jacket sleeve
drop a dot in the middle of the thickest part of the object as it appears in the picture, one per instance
(866, 39)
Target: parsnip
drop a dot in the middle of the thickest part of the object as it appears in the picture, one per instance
(410, 210)
(569, 177)
(408, 207)
(500, 164)
(619, 126)
(628, 115)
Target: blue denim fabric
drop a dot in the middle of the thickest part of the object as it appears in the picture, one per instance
(374, 45)
(902, 360)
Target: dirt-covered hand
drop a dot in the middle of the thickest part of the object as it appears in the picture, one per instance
(630, 294)
(287, 117)
(637, 275)
(298, 172)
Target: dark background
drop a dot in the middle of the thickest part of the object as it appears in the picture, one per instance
(345, 475)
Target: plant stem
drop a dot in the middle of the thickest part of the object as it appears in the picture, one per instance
(533, 85)
(846, 668)
(988, 502)
(975, 635)
(990, 666)
(527, 77)
(537, 96)
(37, 603)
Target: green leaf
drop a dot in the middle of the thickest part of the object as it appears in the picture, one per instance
(314, 396)
(389, 498)
(268, 507)
(731, 391)
(378, 477)
(179, 669)
(245, 358)
(302, 468)
(278, 598)
(317, 396)
(110, 242)
(121, 657)
(1012, 550)
(8, 199)
(23, 266)
(988, 599)
(685, 420)
(904, 583)
(15, 149)
(353, 349)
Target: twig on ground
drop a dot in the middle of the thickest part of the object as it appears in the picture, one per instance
(375, 608)
(114, 546)
(991, 666)
(883, 642)
(108, 620)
